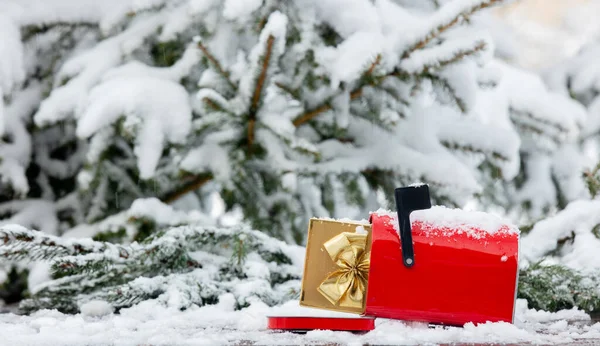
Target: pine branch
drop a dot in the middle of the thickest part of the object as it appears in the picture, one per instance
(354, 94)
(443, 83)
(460, 55)
(526, 121)
(72, 265)
(471, 149)
(357, 92)
(194, 184)
(21, 243)
(373, 65)
(440, 29)
(30, 31)
(308, 116)
(531, 116)
(217, 65)
(212, 104)
(592, 181)
(288, 90)
(258, 90)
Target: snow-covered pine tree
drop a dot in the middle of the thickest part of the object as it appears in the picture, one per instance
(560, 259)
(549, 124)
(289, 109)
(561, 252)
(578, 78)
(185, 261)
(268, 100)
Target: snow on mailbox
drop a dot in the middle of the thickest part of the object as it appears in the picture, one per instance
(421, 263)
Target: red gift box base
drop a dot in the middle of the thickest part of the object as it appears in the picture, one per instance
(303, 324)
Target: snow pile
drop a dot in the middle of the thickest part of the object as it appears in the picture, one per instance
(151, 323)
(578, 219)
(454, 220)
(96, 308)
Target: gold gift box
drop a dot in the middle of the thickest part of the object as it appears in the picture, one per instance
(336, 266)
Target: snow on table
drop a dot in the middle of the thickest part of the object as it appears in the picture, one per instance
(151, 324)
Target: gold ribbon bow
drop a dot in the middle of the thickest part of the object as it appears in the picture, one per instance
(348, 284)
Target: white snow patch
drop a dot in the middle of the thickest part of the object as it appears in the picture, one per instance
(96, 308)
(417, 184)
(208, 157)
(164, 214)
(352, 57)
(360, 230)
(38, 274)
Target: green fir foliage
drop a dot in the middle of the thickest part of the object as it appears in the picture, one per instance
(556, 287)
(181, 259)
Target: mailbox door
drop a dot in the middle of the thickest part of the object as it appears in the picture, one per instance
(457, 276)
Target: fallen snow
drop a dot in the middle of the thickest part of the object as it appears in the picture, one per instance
(455, 220)
(150, 323)
(96, 308)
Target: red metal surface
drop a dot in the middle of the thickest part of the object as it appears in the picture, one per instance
(322, 323)
(455, 280)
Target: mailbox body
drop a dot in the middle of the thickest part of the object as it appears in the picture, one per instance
(460, 275)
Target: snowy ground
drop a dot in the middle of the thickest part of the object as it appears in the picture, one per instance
(150, 324)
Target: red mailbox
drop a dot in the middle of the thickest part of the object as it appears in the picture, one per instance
(458, 275)
(447, 266)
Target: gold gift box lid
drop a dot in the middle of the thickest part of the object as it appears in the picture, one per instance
(336, 265)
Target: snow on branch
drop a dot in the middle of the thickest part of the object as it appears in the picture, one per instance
(80, 73)
(264, 61)
(446, 17)
(86, 269)
(428, 59)
(180, 69)
(368, 77)
(217, 65)
(156, 111)
(258, 90)
(309, 115)
(535, 109)
(16, 154)
(421, 60)
(577, 224)
(427, 160)
(472, 136)
(21, 243)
